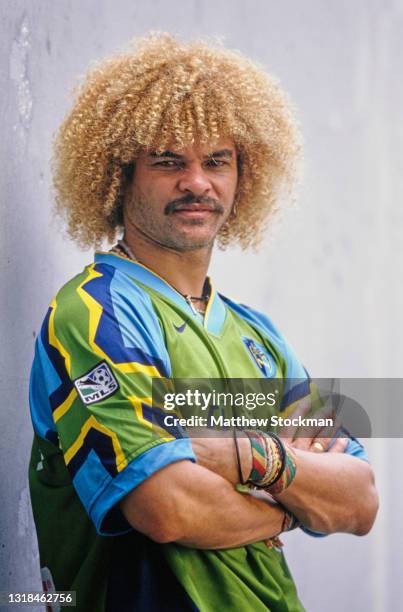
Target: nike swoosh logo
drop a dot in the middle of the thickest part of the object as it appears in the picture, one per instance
(180, 328)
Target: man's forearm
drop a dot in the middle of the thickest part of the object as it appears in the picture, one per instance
(229, 519)
(191, 505)
(332, 493)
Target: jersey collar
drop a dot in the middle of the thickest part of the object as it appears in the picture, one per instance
(215, 314)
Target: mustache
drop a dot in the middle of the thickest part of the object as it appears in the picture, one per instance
(190, 198)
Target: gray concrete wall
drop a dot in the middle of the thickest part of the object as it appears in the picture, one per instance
(329, 274)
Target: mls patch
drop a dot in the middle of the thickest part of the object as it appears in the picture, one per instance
(261, 357)
(97, 384)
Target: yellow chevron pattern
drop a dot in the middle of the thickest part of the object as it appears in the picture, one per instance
(92, 423)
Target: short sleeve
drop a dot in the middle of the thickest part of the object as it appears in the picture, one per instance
(99, 349)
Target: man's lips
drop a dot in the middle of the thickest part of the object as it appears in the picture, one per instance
(195, 211)
(194, 208)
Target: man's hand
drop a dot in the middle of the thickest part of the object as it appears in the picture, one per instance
(314, 439)
(332, 492)
(216, 451)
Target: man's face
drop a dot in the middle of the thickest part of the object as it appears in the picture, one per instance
(181, 198)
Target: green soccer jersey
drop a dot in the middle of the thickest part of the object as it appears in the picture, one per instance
(108, 333)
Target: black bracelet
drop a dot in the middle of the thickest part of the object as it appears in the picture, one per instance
(238, 459)
(283, 454)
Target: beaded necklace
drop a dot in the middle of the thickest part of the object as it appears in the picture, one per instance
(122, 248)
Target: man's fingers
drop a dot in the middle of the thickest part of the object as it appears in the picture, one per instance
(303, 407)
(332, 430)
(314, 438)
(339, 445)
(313, 430)
(319, 445)
(302, 443)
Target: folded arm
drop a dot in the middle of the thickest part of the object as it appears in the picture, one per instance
(331, 492)
(189, 504)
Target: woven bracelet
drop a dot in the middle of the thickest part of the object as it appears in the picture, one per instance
(287, 475)
(259, 457)
(268, 459)
(238, 459)
(270, 438)
(273, 463)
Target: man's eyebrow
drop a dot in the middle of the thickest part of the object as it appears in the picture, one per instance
(227, 153)
(170, 154)
(222, 153)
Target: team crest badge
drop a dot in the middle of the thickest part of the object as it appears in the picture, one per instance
(97, 384)
(261, 357)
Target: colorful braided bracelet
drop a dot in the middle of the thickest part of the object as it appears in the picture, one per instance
(273, 463)
(287, 476)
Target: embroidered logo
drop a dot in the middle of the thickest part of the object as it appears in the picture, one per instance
(261, 357)
(97, 384)
(180, 328)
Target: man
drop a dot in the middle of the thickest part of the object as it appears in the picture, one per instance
(179, 145)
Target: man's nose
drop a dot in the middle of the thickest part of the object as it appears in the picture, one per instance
(194, 180)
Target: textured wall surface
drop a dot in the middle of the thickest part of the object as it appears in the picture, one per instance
(329, 274)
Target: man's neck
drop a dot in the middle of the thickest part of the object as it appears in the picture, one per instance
(185, 270)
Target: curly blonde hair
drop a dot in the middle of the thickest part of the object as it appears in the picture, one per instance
(167, 93)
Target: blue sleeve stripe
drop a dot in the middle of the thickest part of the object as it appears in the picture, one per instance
(356, 449)
(314, 534)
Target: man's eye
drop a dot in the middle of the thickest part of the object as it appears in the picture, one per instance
(167, 163)
(215, 163)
